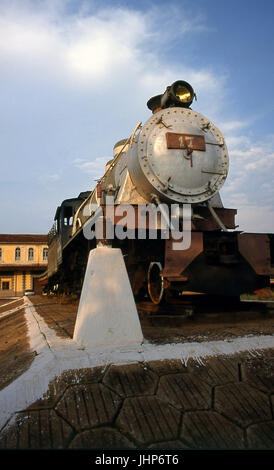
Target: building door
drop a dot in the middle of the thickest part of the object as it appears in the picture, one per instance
(5, 285)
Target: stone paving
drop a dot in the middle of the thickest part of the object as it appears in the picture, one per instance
(15, 355)
(225, 403)
(60, 315)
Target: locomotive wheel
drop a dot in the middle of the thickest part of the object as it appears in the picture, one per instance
(155, 282)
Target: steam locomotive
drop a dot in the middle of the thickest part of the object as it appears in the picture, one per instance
(178, 160)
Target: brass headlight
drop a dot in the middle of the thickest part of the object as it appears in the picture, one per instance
(180, 93)
(183, 94)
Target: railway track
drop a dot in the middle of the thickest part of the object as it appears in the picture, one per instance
(204, 319)
(189, 306)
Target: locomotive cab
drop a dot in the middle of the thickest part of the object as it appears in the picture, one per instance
(61, 233)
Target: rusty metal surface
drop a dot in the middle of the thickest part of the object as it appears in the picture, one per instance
(185, 141)
(126, 214)
(176, 261)
(254, 247)
(208, 223)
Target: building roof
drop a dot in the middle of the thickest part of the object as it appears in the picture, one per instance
(23, 238)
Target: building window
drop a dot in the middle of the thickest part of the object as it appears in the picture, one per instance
(17, 254)
(45, 254)
(1, 252)
(31, 254)
(5, 285)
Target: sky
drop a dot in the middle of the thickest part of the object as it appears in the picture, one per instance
(75, 77)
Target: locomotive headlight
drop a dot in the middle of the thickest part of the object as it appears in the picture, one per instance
(183, 94)
(180, 93)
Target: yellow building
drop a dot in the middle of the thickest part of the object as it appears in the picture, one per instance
(22, 259)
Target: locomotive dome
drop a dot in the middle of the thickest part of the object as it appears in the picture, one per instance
(179, 155)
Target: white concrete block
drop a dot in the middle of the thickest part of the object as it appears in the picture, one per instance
(107, 314)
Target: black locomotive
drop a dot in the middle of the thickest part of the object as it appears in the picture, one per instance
(173, 165)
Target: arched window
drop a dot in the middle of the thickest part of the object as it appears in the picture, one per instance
(45, 254)
(17, 254)
(31, 254)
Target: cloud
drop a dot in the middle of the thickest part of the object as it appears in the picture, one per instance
(249, 186)
(255, 218)
(83, 47)
(232, 126)
(109, 44)
(52, 178)
(95, 168)
(76, 76)
(119, 56)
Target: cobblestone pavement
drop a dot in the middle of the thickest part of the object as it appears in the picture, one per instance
(226, 403)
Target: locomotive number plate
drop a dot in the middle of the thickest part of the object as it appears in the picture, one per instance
(185, 141)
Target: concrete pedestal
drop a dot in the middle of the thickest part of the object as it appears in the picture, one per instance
(107, 314)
